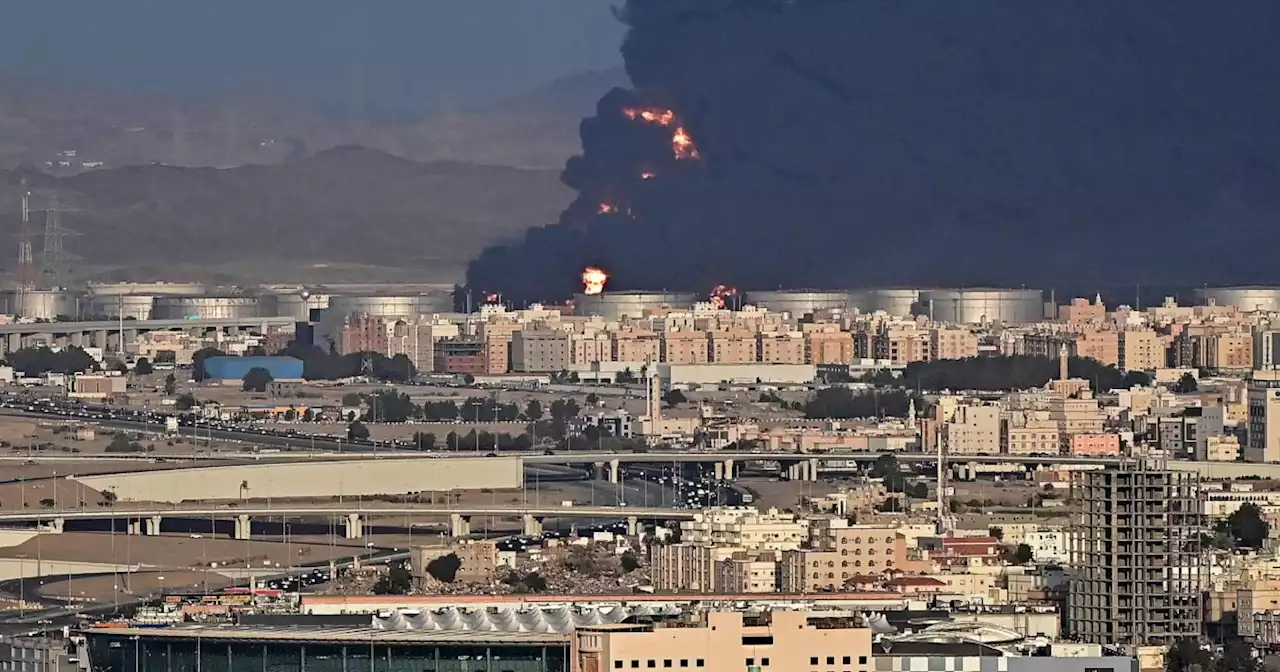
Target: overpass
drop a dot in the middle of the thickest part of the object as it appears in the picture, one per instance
(148, 519)
(99, 332)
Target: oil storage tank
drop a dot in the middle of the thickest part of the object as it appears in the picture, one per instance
(204, 307)
(41, 304)
(617, 305)
(986, 304)
(392, 306)
(297, 305)
(896, 301)
(126, 306)
(801, 302)
(1247, 298)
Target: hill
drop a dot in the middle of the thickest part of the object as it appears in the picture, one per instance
(346, 205)
(65, 128)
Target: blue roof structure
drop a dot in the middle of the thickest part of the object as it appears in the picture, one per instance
(234, 368)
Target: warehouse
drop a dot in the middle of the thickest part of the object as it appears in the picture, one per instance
(231, 370)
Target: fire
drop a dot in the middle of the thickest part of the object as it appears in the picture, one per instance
(682, 144)
(720, 295)
(493, 298)
(652, 115)
(593, 280)
(606, 208)
(647, 175)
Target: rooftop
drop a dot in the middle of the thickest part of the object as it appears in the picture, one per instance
(364, 635)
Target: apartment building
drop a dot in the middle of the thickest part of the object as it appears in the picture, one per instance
(780, 348)
(1228, 352)
(684, 347)
(1081, 311)
(1263, 444)
(361, 332)
(682, 567)
(497, 336)
(746, 528)
(732, 347)
(827, 344)
(1094, 445)
(972, 430)
(636, 346)
(540, 351)
(952, 343)
(900, 346)
(1028, 432)
(744, 573)
(1140, 350)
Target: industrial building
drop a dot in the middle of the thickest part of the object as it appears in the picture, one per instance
(1137, 571)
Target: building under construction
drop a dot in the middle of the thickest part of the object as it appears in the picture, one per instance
(1137, 570)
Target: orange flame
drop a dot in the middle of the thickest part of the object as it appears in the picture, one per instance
(593, 280)
(647, 175)
(720, 295)
(652, 115)
(682, 144)
(606, 208)
(493, 298)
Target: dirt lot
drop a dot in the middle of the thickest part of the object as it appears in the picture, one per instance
(176, 551)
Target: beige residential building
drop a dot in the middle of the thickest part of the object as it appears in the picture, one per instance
(497, 335)
(732, 347)
(478, 561)
(1081, 311)
(827, 344)
(1228, 351)
(1257, 596)
(590, 348)
(900, 346)
(636, 346)
(780, 348)
(684, 347)
(1029, 432)
(973, 430)
(682, 567)
(952, 343)
(1103, 346)
(1075, 415)
(540, 350)
(783, 641)
(1264, 417)
(746, 574)
(745, 528)
(1219, 448)
(1140, 350)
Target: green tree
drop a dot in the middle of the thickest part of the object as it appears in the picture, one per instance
(351, 399)
(533, 410)
(593, 399)
(1022, 554)
(109, 497)
(1186, 656)
(198, 373)
(444, 568)
(356, 431)
(143, 367)
(918, 490)
(1186, 384)
(628, 562)
(257, 379)
(1247, 526)
(996, 532)
(170, 384)
(424, 440)
(185, 402)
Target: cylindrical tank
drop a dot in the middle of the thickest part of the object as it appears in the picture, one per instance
(377, 305)
(127, 306)
(1246, 298)
(148, 288)
(896, 301)
(973, 306)
(435, 303)
(801, 302)
(204, 307)
(41, 304)
(297, 305)
(617, 305)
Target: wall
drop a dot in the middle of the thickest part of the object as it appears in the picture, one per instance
(13, 568)
(314, 479)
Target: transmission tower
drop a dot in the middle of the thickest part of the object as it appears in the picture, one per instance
(26, 262)
(55, 261)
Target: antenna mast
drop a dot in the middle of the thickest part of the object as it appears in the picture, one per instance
(26, 260)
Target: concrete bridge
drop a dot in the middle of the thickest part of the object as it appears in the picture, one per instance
(148, 520)
(103, 334)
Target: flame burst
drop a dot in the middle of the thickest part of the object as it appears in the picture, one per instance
(606, 208)
(593, 280)
(493, 298)
(647, 175)
(720, 295)
(681, 144)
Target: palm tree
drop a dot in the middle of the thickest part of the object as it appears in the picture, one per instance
(244, 489)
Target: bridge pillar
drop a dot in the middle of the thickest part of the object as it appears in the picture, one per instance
(57, 525)
(355, 526)
(13, 343)
(459, 525)
(813, 469)
(718, 468)
(972, 469)
(792, 471)
(532, 525)
(613, 471)
(153, 526)
(244, 526)
(133, 526)
(728, 469)
(77, 339)
(633, 526)
(100, 339)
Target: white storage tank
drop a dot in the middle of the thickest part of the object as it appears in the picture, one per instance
(979, 305)
(204, 307)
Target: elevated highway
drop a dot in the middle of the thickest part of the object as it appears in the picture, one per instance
(98, 333)
(149, 519)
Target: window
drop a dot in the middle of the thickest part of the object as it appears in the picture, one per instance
(813, 660)
(846, 660)
(617, 664)
(700, 663)
(757, 640)
(666, 663)
(751, 662)
(652, 663)
(888, 540)
(684, 662)
(831, 660)
(862, 660)
(635, 663)
(764, 662)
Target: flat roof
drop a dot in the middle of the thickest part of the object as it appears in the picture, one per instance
(337, 635)
(550, 599)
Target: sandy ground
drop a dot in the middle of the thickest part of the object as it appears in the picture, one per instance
(772, 493)
(123, 586)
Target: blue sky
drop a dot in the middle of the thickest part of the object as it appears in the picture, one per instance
(409, 54)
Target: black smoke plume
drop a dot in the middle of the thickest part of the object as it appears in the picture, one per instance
(867, 142)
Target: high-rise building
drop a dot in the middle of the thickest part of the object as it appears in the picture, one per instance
(1136, 569)
(1264, 417)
